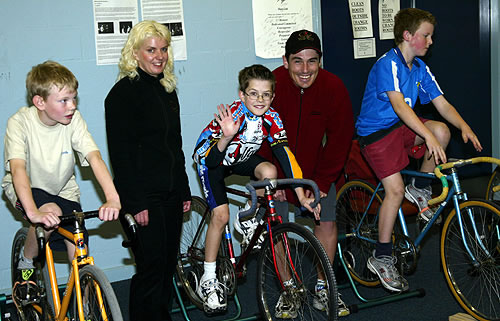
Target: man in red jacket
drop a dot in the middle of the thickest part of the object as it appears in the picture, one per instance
(316, 111)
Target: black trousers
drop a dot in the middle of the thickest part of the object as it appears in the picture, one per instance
(155, 254)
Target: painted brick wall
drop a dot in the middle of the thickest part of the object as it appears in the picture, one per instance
(219, 43)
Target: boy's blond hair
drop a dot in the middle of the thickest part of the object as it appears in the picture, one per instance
(410, 19)
(44, 76)
(255, 72)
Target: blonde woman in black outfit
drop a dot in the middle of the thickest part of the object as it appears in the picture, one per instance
(145, 148)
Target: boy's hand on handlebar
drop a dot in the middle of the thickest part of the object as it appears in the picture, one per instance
(280, 195)
(310, 194)
(109, 211)
(306, 201)
(142, 218)
(48, 219)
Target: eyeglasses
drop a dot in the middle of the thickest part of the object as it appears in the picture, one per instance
(253, 95)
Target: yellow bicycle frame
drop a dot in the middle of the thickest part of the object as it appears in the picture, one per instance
(80, 259)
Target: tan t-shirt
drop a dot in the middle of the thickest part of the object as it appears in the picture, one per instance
(47, 151)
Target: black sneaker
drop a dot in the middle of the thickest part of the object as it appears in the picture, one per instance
(25, 290)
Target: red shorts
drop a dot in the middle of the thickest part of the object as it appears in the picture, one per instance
(389, 154)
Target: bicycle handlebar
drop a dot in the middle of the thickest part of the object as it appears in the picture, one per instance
(132, 225)
(40, 234)
(457, 164)
(274, 183)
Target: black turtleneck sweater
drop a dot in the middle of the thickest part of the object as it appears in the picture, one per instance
(144, 141)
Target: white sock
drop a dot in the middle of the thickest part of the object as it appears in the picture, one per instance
(25, 263)
(209, 271)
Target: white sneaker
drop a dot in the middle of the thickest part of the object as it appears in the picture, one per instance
(384, 267)
(212, 293)
(247, 229)
(421, 197)
(320, 302)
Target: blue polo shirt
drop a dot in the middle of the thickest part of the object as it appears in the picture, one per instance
(391, 73)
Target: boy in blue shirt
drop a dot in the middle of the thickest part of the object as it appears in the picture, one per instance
(389, 130)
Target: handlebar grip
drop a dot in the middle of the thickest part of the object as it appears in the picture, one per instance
(456, 164)
(132, 225)
(274, 183)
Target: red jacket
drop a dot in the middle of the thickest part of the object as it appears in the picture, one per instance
(308, 115)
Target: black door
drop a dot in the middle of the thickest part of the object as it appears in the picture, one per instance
(459, 58)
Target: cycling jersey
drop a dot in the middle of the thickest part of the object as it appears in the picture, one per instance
(252, 132)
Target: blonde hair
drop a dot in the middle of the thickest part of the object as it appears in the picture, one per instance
(139, 33)
(44, 76)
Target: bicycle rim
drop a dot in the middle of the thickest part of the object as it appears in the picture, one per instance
(353, 200)
(192, 248)
(476, 288)
(493, 181)
(96, 308)
(306, 257)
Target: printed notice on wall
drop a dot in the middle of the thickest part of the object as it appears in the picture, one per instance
(387, 9)
(171, 14)
(361, 18)
(275, 20)
(364, 48)
(113, 20)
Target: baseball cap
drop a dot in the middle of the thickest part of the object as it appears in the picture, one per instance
(300, 40)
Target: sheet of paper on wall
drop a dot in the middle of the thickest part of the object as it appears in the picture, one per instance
(275, 20)
(113, 20)
(387, 9)
(171, 14)
(364, 48)
(361, 18)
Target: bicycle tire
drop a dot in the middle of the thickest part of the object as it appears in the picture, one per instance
(476, 288)
(90, 276)
(191, 250)
(352, 200)
(42, 280)
(492, 182)
(306, 252)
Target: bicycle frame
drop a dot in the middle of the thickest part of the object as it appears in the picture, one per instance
(80, 259)
(269, 219)
(455, 194)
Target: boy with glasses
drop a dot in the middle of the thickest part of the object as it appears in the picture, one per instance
(228, 145)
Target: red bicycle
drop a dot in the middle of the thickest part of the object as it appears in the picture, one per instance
(290, 251)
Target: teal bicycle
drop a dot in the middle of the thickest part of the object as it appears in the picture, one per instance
(470, 238)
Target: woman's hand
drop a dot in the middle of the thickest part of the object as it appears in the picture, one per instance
(142, 218)
(186, 206)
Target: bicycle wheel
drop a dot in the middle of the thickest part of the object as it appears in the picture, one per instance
(360, 230)
(42, 280)
(493, 181)
(306, 257)
(92, 280)
(476, 287)
(192, 248)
